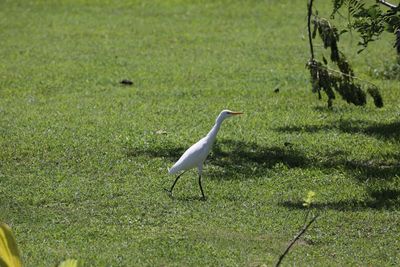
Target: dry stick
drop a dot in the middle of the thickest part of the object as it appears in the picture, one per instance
(295, 239)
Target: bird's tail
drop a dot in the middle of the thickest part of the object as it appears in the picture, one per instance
(172, 170)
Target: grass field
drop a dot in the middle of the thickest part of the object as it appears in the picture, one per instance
(84, 159)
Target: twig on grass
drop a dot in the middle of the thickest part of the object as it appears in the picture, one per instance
(295, 239)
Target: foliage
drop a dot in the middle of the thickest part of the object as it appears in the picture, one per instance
(369, 20)
(9, 253)
(342, 81)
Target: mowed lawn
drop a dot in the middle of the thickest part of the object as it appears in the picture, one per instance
(83, 159)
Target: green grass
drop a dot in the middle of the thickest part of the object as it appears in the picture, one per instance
(83, 168)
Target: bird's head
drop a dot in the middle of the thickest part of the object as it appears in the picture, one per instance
(227, 113)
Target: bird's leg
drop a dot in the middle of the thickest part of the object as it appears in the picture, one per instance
(201, 188)
(200, 171)
(176, 180)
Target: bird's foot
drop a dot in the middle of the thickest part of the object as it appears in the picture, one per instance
(203, 198)
(169, 192)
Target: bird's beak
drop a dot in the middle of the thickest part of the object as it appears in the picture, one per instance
(235, 113)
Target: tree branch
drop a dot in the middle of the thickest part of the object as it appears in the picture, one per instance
(296, 237)
(351, 76)
(385, 3)
(310, 2)
(309, 14)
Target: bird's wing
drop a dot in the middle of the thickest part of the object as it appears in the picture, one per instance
(192, 157)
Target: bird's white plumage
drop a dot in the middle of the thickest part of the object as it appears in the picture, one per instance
(197, 153)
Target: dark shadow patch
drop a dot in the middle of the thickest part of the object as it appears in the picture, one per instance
(376, 199)
(385, 130)
(385, 198)
(390, 130)
(363, 170)
(231, 159)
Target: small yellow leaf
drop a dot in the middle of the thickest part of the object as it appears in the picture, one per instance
(9, 254)
(69, 263)
(309, 199)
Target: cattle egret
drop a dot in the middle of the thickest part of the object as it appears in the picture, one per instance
(197, 153)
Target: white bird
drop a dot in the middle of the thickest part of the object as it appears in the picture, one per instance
(197, 153)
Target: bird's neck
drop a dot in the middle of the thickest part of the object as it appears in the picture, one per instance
(212, 134)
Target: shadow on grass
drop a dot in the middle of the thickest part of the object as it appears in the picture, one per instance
(376, 199)
(389, 130)
(370, 170)
(231, 159)
(235, 159)
(361, 170)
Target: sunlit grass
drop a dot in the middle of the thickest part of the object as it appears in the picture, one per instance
(84, 159)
